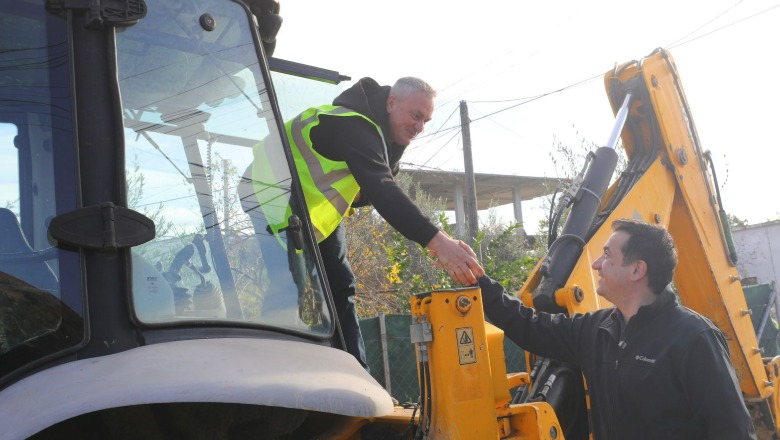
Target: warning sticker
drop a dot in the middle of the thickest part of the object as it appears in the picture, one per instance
(466, 353)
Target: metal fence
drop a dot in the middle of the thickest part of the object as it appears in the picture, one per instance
(391, 358)
(390, 355)
(762, 301)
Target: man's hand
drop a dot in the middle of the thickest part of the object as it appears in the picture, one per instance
(456, 257)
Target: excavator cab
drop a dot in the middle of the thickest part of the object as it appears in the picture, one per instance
(152, 231)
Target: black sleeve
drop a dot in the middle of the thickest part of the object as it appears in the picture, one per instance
(357, 142)
(545, 334)
(713, 391)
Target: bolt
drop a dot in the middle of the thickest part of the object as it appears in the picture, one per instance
(463, 304)
(682, 155)
(579, 295)
(207, 22)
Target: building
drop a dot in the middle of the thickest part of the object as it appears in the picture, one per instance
(758, 251)
(491, 190)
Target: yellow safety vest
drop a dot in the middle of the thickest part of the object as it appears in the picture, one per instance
(328, 186)
(270, 190)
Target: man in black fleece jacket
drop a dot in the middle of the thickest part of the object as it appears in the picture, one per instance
(654, 369)
(381, 123)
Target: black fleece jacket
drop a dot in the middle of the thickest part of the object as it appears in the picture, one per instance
(356, 142)
(667, 375)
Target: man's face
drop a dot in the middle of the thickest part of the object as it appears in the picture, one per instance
(408, 114)
(614, 275)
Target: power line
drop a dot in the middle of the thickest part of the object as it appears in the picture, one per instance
(410, 164)
(441, 148)
(579, 83)
(441, 131)
(725, 26)
(576, 84)
(436, 133)
(484, 66)
(505, 100)
(419, 147)
(471, 108)
(705, 24)
(502, 110)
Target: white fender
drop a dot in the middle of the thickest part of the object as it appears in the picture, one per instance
(278, 373)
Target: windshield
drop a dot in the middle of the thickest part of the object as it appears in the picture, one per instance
(41, 306)
(204, 160)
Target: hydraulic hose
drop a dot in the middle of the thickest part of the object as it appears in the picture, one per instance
(522, 393)
(422, 381)
(562, 257)
(731, 250)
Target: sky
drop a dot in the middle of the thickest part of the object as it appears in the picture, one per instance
(495, 54)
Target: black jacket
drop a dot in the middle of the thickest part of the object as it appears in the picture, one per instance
(356, 142)
(667, 375)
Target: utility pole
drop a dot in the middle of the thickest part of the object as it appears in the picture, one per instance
(471, 187)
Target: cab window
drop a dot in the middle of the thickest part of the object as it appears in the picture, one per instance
(41, 303)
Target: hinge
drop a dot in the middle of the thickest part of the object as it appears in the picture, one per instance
(106, 227)
(420, 332)
(102, 13)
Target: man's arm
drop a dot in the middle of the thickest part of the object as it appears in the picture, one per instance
(556, 336)
(356, 142)
(712, 389)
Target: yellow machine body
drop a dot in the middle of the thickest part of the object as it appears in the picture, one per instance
(677, 190)
(465, 388)
(469, 387)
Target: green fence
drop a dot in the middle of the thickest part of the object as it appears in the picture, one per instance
(390, 355)
(760, 298)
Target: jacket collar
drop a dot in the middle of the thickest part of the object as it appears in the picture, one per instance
(666, 299)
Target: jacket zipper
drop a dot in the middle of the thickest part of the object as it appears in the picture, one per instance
(621, 345)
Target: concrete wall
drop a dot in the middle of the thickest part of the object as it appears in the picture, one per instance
(758, 251)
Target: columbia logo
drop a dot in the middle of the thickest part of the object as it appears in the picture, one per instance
(644, 359)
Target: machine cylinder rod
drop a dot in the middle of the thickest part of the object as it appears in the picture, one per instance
(620, 121)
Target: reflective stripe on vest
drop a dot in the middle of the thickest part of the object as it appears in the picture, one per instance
(328, 185)
(271, 191)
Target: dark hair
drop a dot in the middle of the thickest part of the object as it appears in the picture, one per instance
(652, 244)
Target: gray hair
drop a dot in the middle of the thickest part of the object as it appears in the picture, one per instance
(409, 84)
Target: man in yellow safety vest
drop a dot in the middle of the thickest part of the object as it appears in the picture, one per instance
(346, 155)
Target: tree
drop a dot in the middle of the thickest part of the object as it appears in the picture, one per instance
(736, 222)
(136, 182)
(569, 162)
(508, 254)
(389, 268)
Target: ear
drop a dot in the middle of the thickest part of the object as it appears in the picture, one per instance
(391, 101)
(639, 271)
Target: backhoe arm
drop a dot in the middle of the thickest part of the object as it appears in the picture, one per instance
(668, 181)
